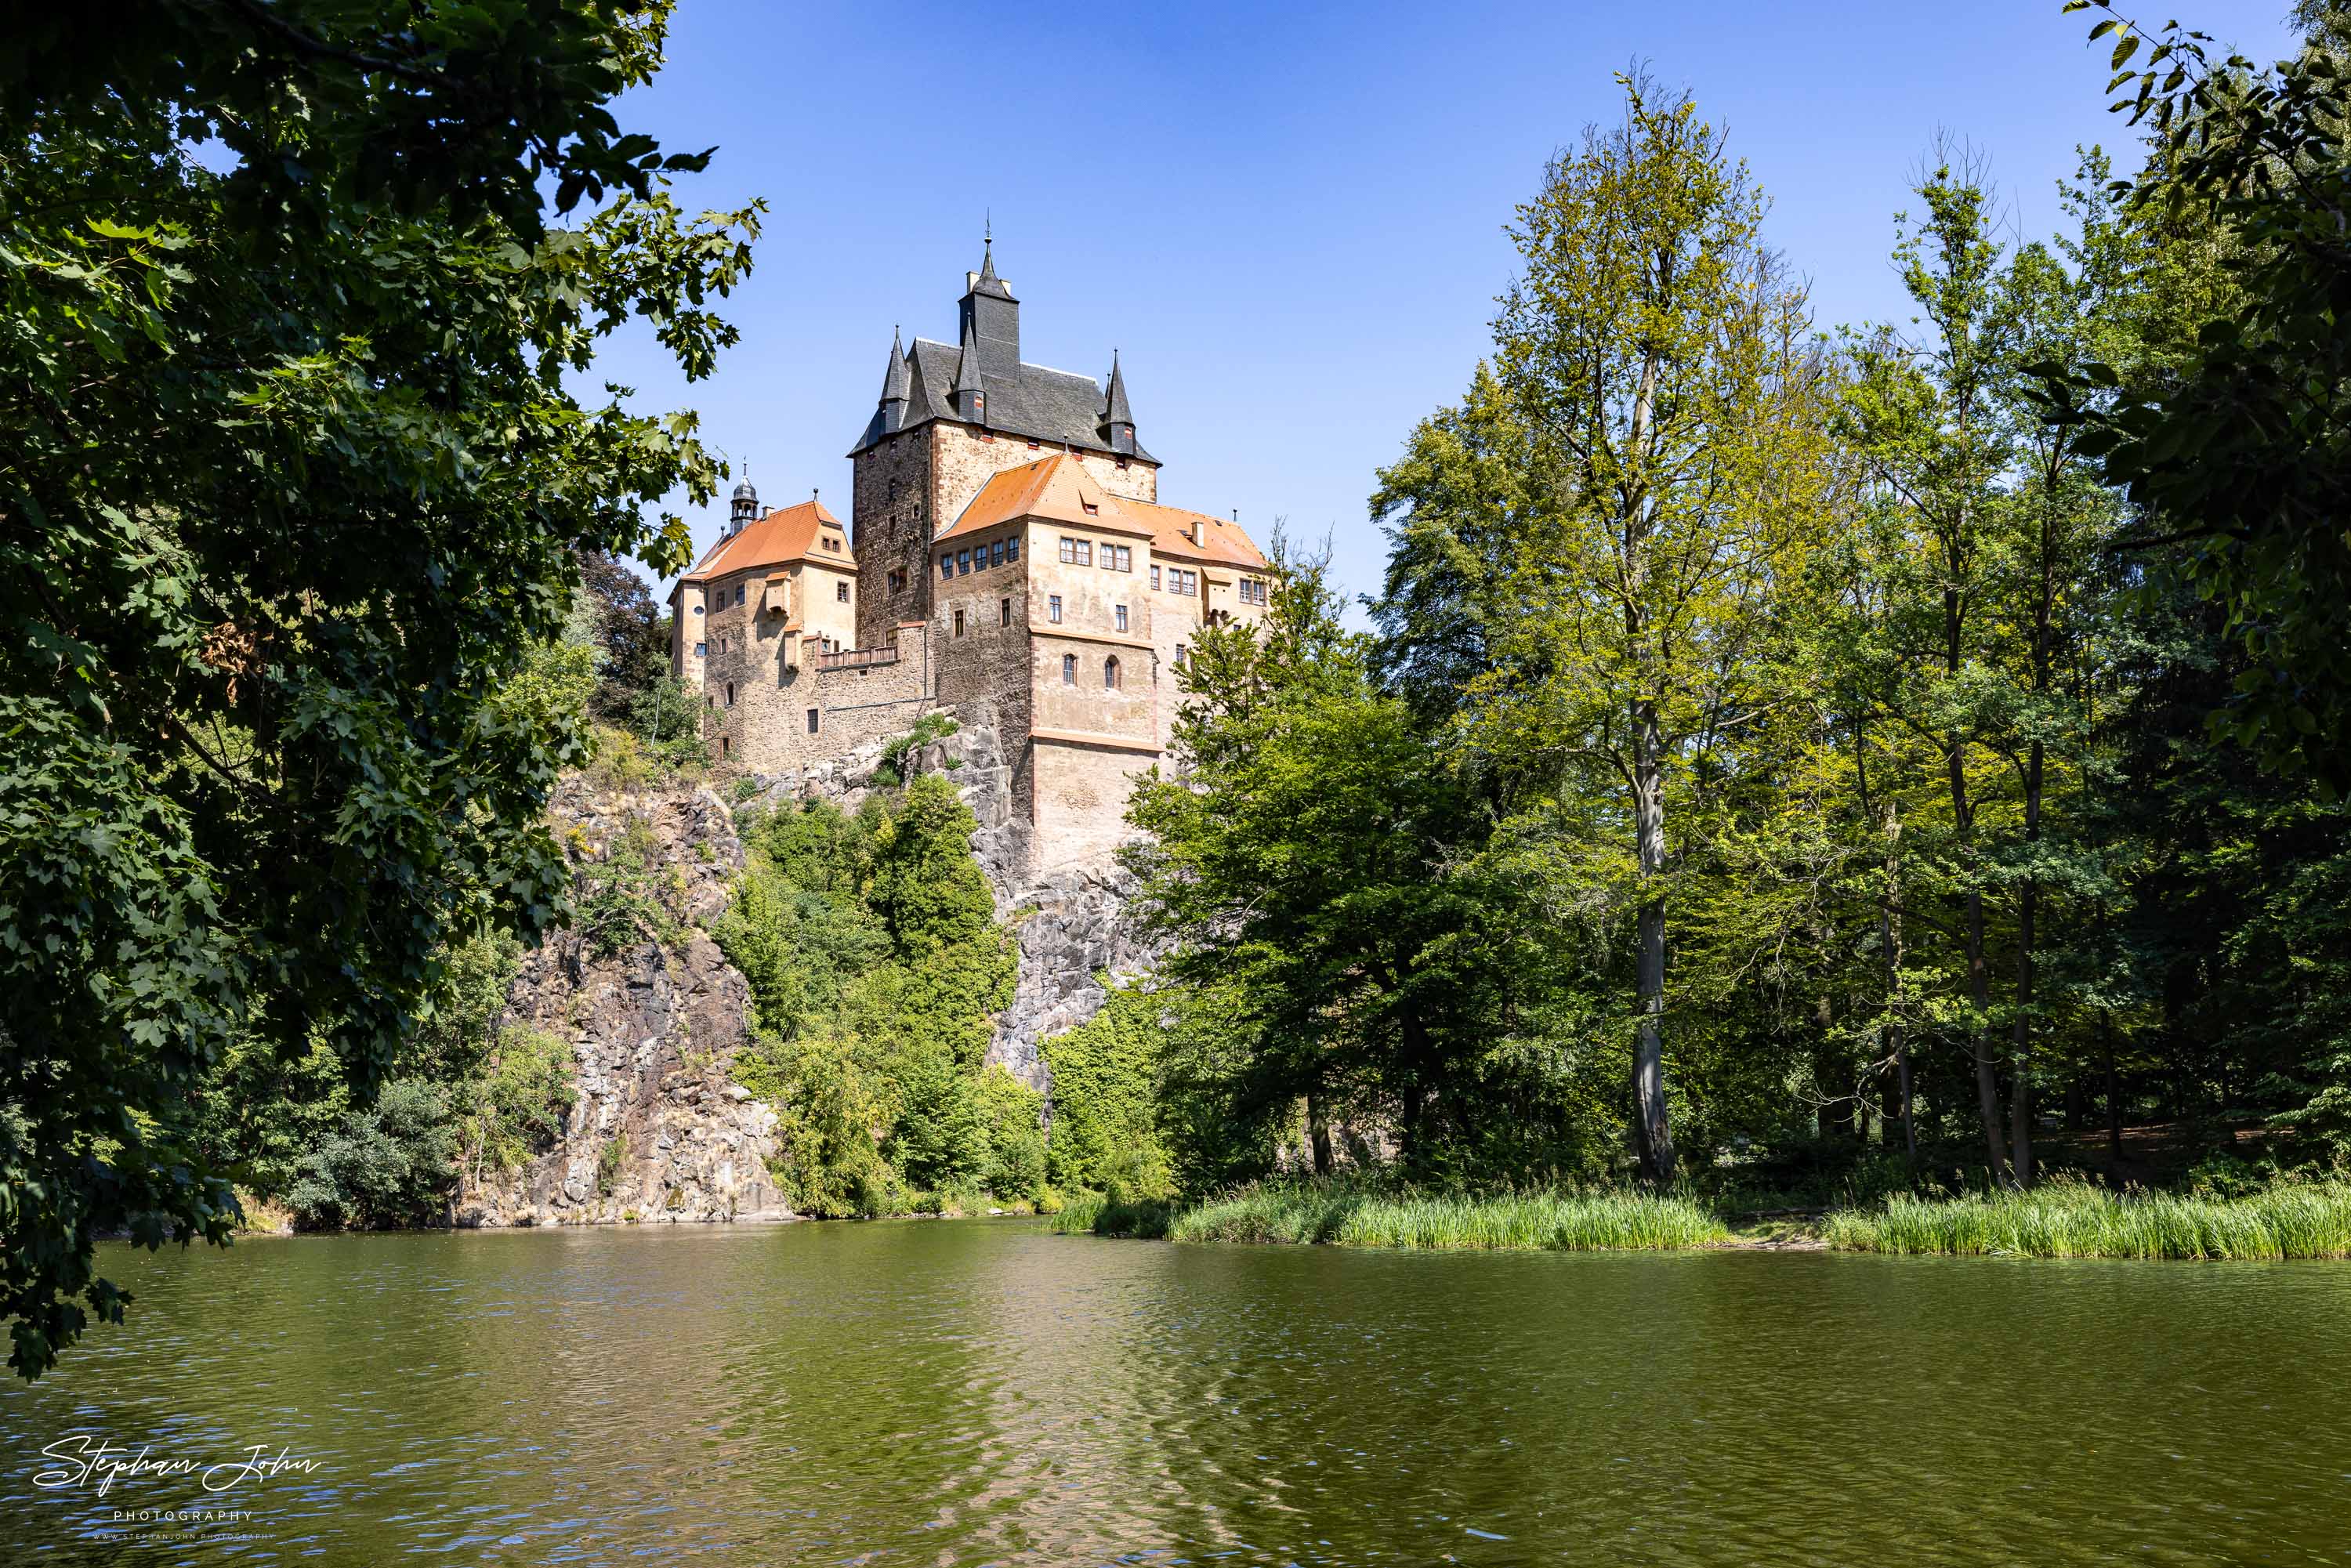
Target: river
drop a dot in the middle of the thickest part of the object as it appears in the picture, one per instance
(976, 1391)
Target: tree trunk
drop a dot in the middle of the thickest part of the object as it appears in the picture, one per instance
(1889, 938)
(2113, 1095)
(2020, 1104)
(1653, 1140)
(1318, 1132)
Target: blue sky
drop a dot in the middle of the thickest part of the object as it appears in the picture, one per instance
(1288, 221)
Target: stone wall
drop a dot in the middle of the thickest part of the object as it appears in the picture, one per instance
(766, 729)
(893, 516)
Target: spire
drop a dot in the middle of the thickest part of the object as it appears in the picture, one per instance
(970, 398)
(743, 507)
(1115, 409)
(1117, 424)
(987, 251)
(896, 386)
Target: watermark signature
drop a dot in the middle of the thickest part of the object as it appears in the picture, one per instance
(97, 1463)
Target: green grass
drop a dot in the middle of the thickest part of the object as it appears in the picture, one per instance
(1345, 1216)
(2074, 1220)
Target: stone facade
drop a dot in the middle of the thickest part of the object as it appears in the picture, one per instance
(1011, 558)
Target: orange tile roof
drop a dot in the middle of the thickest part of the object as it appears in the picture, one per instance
(1171, 534)
(785, 535)
(1058, 488)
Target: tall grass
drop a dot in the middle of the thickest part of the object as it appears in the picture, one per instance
(2074, 1220)
(1346, 1216)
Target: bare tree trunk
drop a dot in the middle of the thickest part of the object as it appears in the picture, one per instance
(1979, 995)
(2019, 1104)
(1318, 1132)
(2113, 1095)
(1890, 939)
(1652, 1139)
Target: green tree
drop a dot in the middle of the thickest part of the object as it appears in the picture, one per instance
(2239, 460)
(295, 480)
(1657, 365)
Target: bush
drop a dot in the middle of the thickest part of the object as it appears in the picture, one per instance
(392, 1163)
(521, 1104)
(1105, 1074)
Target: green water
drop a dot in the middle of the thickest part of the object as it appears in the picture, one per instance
(983, 1392)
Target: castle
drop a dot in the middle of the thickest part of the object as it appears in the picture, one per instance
(1007, 561)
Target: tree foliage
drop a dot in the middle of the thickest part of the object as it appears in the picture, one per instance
(296, 477)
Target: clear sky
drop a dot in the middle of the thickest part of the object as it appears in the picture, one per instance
(1288, 221)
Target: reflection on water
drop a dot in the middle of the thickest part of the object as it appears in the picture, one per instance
(978, 1392)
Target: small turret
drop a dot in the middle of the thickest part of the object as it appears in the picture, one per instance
(1117, 426)
(896, 386)
(970, 396)
(745, 511)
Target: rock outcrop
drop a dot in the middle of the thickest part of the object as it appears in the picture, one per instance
(659, 1130)
(1072, 923)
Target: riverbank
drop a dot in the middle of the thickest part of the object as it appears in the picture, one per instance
(2061, 1219)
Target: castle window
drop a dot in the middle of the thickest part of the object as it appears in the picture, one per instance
(841, 593)
(946, 566)
(1068, 549)
(1125, 556)
(995, 553)
(1068, 669)
(726, 746)
(832, 544)
(738, 593)
(730, 694)
(1004, 608)
(1110, 674)
(1053, 609)
(958, 622)
(1179, 655)
(963, 563)
(1154, 579)
(898, 581)
(697, 610)
(702, 649)
(1032, 446)
(1012, 549)
(1122, 617)
(1122, 464)
(812, 721)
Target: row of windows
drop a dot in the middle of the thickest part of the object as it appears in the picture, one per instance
(1109, 672)
(964, 562)
(1253, 591)
(1183, 584)
(1085, 553)
(1003, 610)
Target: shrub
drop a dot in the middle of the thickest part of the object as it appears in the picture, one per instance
(609, 1161)
(520, 1104)
(392, 1163)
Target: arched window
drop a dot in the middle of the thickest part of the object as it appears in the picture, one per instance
(1110, 674)
(1068, 669)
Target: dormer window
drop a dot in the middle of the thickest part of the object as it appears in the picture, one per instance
(1091, 511)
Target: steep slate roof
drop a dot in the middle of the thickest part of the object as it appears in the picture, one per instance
(785, 535)
(1056, 488)
(1171, 535)
(1037, 404)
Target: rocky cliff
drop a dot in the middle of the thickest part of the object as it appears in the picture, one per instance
(659, 1130)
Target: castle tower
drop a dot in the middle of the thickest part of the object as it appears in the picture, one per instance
(951, 414)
